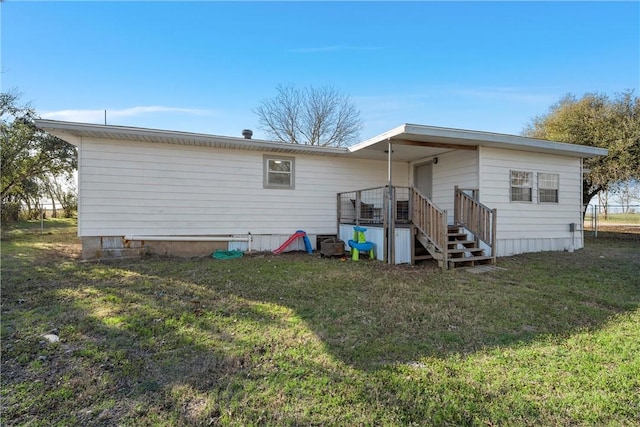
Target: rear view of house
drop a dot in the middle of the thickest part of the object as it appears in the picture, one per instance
(414, 186)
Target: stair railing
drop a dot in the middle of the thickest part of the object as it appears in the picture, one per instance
(479, 219)
(430, 220)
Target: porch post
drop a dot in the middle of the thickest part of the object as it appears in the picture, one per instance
(391, 232)
(456, 206)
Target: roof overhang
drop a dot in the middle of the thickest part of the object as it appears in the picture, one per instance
(409, 142)
(74, 133)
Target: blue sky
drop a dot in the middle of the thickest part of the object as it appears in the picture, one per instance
(204, 66)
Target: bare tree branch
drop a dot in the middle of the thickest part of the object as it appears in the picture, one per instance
(313, 116)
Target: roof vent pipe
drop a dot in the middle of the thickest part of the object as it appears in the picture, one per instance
(247, 133)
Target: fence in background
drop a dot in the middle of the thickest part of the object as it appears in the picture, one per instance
(611, 218)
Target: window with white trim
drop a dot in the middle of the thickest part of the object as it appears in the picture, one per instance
(279, 172)
(548, 185)
(521, 186)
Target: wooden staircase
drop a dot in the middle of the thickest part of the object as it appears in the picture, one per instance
(453, 245)
(420, 252)
(462, 250)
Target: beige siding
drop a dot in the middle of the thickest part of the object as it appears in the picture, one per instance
(531, 226)
(145, 188)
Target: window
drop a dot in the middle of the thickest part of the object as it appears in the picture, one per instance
(521, 183)
(278, 172)
(548, 184)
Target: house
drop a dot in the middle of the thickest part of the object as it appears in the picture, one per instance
(459, 196)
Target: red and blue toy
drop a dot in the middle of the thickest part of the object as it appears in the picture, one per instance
(298, 234)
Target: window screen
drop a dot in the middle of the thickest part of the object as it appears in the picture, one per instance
(548, 185)
(521, 183)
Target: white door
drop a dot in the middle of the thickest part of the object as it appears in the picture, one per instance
(422, 178)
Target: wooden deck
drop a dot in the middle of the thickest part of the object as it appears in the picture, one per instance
(460, 244)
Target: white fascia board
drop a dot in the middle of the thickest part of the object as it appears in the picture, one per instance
(489, 139)
(378, 138)
(479, 138)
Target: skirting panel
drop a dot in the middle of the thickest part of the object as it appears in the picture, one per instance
(508, 247)
(376, 235)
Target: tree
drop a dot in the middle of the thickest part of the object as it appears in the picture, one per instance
(65, 193)
(626, 193)
(312, 116)
(597, 121)
(30, 157)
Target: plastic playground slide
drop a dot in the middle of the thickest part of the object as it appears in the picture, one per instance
(294, 236)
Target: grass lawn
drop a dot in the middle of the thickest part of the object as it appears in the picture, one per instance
(298, 340)
(618, 218)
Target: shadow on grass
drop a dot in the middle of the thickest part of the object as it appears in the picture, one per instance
(369, 315)
(149, 338)
(126, 337)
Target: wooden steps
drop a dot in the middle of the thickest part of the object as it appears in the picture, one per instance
(461, 242)
(465, 250)
(461, 250)
(455, 235)
(471, 261)
(420, 252)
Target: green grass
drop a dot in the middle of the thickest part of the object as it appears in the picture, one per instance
(618, 218)
(299, 340)
(26, 242)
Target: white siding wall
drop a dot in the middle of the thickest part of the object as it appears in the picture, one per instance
(143, 188)
(531, 227)
(454, 168)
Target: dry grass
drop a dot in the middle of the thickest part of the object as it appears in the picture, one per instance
(299, 340)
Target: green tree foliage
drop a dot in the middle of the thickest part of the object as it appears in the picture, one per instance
(65, 193)
(597, 120)
(312, 116)
(30, 157)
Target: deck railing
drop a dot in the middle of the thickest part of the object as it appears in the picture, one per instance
(371, 205)
(430, 220)
(364, 206)
(475, 217)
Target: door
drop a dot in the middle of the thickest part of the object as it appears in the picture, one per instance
(422, 178)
